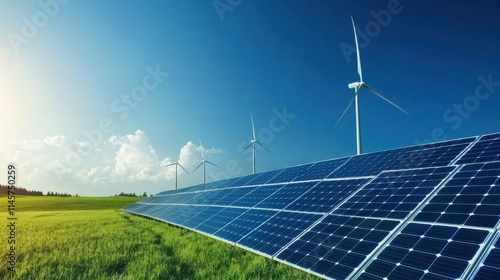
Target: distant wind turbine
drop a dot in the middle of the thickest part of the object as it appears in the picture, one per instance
(252, 144)
(177, 164)
(357, 86)
(204, 162)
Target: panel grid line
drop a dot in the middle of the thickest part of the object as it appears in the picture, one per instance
(465, 151)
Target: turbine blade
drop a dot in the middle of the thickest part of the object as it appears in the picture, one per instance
(213, 164)
(357, 51)
(383, 97)
(253, 127)
(202, 150)
(263, 147)
(246, 148)
(347, 108)
(182, 167)
(198, 166)
(170, 164)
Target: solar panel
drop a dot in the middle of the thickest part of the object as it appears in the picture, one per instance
(394, 194)
(423, 251)
(277, 231)
(429, 155)
(290, 173)
(325, 195)
(320, 170)
(337, 245)
(257, 195)
(285, 195)
(238, 228)
(422, 212)
(485, 150)
(471, 197)
(265, 177)
(219, 219)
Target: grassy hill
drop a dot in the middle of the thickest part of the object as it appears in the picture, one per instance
(89, 238)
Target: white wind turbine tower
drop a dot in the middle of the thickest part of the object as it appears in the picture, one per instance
(357, 86)
(252, 144)
(177, 164)
(204, 162)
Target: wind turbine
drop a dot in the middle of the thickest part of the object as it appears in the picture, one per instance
(357, 86)
(252, 144)
(177, 164)
(204, 162)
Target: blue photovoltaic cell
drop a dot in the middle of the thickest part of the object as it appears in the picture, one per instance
(394, 194)
(134, 208)
(185, 213)
(216, 195)
(471, 197)
(223, 183)
(290, 174)
(276, 232)
(202, 216)
(236, 194)
(320, 170)
(258, 194)
(203, 197)
(154, 209)
(337, 245)
(430, 155)
(285, 195)
(423, 251)
(485, 150)
(325, 196)
(243, 181)
(264, 177)
(248, 221)
(220, 219)
(489, 268)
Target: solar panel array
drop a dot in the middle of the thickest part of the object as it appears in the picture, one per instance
(423, 212)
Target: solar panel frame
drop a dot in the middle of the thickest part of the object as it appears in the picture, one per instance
(488, 267)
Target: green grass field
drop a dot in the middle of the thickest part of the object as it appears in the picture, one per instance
(89, 238)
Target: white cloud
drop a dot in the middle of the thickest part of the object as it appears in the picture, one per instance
(128, 159)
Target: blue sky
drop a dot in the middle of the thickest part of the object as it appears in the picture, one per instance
(95, 96)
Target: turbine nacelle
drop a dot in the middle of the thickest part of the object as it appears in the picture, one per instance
(355, 85)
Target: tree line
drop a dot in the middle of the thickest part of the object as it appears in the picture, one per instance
(130, 194)
(23, 191)
(19, 191)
